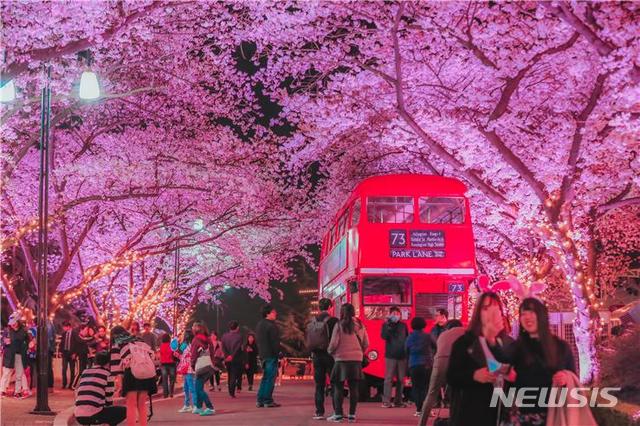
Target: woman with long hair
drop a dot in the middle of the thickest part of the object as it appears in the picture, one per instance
(201, 346)
(136, 391)
(251, 358)
(348, 342)
(473, 369)
(540, 359)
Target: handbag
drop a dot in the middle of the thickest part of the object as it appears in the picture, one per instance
(365, 360)
(204, 366)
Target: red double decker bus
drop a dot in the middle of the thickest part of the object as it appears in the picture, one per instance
(403, 240)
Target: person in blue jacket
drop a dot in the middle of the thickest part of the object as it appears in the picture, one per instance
(419, 346)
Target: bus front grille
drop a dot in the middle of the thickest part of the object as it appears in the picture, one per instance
(427, 303)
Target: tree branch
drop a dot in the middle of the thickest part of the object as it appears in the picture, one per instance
(14, 69)
(618, 204)
(493, 194)
(574, 151)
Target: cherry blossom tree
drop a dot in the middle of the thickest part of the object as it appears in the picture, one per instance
(256, 119)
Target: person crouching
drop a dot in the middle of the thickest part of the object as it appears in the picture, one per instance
(94, 395)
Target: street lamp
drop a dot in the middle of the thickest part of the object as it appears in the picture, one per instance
(89, 90)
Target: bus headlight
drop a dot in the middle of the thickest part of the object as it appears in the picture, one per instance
(373, 355)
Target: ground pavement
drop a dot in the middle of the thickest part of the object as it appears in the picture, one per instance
(297, 408)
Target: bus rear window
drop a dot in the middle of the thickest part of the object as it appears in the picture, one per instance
(441, 210)
(390, 209)
(386, 291)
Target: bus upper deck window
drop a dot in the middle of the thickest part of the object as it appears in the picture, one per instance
(390, 209)
(342, 224)
(355, 213)
(441, 210)
(386, 290)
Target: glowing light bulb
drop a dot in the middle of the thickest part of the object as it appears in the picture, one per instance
(89, 86)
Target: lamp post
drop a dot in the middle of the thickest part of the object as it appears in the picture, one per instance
(42, 357)
(89, 90)
(175, 290)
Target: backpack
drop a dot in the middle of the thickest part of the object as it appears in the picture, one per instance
(185, 361)
(318, 334)
(141, 361)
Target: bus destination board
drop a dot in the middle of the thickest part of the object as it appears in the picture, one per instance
(399, 253)
(423, 238)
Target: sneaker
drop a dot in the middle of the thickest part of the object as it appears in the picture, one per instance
(272, 405)
(417, 414)
(351, 418)
(259, 404)
(318, 417)
(208, 412)
(334, 418)
(212, 388)
(196, 411)
(17, 395)
(250, 388)
(219, 388)
(387, 405)
(185, 409)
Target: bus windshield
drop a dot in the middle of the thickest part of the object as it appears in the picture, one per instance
(386, 291)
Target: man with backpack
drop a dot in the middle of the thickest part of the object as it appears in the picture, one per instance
(318, 335)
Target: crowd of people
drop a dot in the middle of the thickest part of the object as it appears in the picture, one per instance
(450, 363)
(19, 356)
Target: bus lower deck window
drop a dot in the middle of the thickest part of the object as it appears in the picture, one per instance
(386, 290)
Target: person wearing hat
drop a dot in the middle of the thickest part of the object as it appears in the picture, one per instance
(14, 342)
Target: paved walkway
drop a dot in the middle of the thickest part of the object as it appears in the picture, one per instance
(15, 412)
(295, 396)
(297, 408)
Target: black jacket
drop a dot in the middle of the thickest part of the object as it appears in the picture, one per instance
(268, 339)
(331, 322)
(18, 347)
(232, 345)
(251, 356)
(527, 358)
(77, 345)
(470, 400)
(395, 335)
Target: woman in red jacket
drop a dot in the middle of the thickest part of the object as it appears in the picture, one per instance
(168, 366)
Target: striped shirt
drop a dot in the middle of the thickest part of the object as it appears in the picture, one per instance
(114, 363)
(94, 392)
